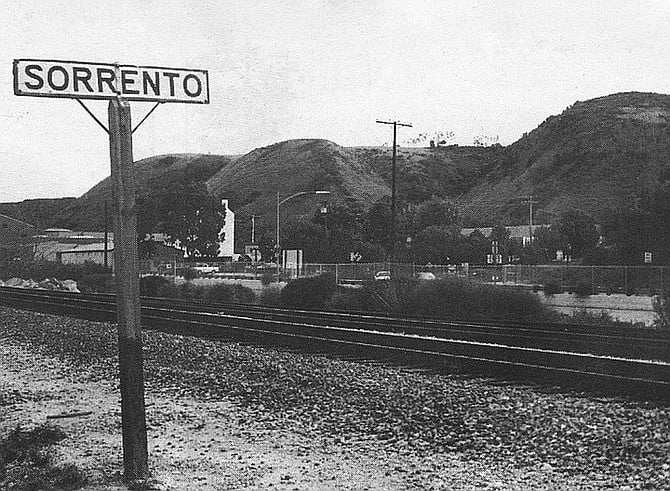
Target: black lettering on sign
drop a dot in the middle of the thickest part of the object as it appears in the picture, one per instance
(198, 91)
(171, 76)
(51, 79)
(106, 76)
(155, 83)
(83, 75)
(39, 81)
(125, 82)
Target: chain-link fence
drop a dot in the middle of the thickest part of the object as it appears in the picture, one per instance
(590, 279)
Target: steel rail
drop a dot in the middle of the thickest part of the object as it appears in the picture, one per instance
(650, 379)
(603, 343)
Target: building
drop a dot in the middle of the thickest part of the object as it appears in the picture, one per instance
(226, 247)
(74, 247)
(517, 232)
(81, 253)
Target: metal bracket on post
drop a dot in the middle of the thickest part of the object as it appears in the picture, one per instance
(145, 117)
(92, 115)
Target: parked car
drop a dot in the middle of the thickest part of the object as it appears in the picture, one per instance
(425, 275)
(206, 269)
(382, 275)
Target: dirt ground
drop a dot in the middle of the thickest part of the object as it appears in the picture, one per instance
(200, 445)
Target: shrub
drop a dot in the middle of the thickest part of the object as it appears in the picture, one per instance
(347, 300)
(309, 293)
(267, 278)
(454, 298)
(190, 274)
(583, 289)
(583, 317)
(39, 270)
(96, 283)
(661, 305)
(30, 459)
(553, 288)
(222, 292)
(189, 291)
(271, 296)
(150, 286)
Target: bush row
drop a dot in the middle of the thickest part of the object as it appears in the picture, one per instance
(90, 277)
(450, 298)
(158, 286)
(40, 270)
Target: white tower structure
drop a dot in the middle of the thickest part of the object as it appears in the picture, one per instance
(226, 247)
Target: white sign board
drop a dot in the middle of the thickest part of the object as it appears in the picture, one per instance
(80, 80)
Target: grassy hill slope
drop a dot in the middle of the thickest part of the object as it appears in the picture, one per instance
(604, 153)
(39, 212)
(599, 154)
(87, 212)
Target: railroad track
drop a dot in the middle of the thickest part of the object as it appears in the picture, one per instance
(634, 363)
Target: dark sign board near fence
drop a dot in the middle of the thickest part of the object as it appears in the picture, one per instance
(83, 80)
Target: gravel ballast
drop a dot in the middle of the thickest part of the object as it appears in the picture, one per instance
(364, 425)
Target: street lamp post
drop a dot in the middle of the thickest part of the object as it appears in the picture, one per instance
(279, 203)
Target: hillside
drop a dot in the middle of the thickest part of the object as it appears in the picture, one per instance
(87, 212)
(605, 153)
(39, 212)
(253, 180)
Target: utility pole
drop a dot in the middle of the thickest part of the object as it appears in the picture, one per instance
(530, 202)
(393, 191)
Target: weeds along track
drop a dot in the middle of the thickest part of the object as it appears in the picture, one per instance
(633, 362)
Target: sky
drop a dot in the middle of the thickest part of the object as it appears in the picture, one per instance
(288, 69)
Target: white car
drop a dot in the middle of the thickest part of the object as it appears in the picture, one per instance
(205, 269)
(425, 275)
(382, 275)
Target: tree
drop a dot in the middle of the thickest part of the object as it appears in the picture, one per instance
(308, 236)
(435, 138)
(435, 212)
(266, 244)
(186, 213)
(546, 242)
(579, 229)
(436, 245)
(377, 224)
(474, 248)
(629, 233)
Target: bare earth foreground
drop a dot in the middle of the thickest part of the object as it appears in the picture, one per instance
(227, 416)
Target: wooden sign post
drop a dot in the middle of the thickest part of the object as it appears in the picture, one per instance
(119, 84)
(133, 419)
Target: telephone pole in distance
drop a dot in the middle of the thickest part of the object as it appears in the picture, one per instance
(393, 178)
(530, 202)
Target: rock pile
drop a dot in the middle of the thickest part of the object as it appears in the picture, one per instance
(46, 284)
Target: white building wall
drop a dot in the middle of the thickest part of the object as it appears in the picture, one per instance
(226, 247)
